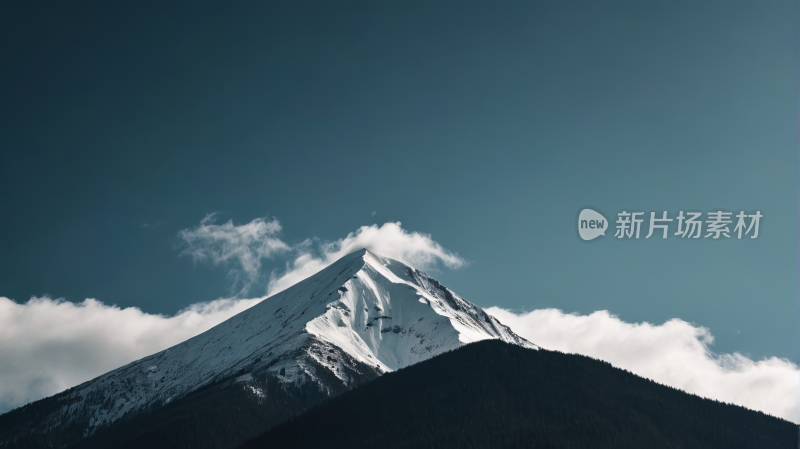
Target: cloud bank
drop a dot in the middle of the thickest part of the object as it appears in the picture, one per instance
(48, 345)
(675, 353)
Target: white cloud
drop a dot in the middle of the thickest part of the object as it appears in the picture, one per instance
(240, 247)
(390, 240)
(49, 345)
(675, 353)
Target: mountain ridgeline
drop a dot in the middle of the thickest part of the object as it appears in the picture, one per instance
(371, 352)
(492, 394)
(361, 317)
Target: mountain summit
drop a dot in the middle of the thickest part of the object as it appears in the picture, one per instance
(362, 316)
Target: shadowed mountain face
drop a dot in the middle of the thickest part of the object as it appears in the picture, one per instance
(493, 394)
(363, 316)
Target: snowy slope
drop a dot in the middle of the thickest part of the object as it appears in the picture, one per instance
(394, 316)
(362, 311)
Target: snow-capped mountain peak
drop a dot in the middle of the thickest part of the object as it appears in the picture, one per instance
(362, 316)
(392, 315)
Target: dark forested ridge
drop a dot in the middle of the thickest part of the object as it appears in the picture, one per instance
(224, 415)
(219, 416)
(492, 394)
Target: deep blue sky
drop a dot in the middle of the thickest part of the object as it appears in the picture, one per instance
(485, 124)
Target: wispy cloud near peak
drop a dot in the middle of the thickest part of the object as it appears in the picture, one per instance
(240, 248)
(390, 240)
(243, 248)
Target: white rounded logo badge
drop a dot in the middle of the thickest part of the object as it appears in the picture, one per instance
(591, 224)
